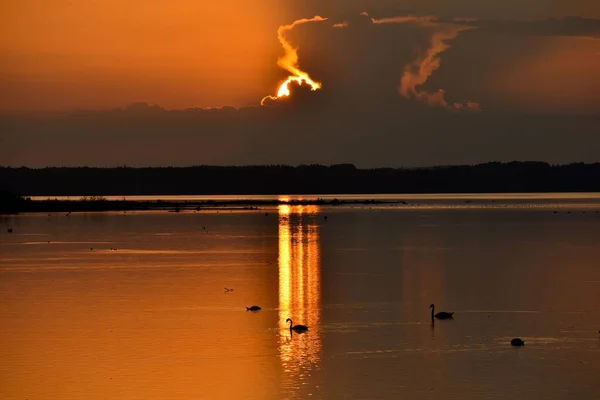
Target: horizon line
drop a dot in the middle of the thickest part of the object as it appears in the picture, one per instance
(312, 165)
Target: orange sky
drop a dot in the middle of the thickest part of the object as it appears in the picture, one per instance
(60, 54)
(111, 52)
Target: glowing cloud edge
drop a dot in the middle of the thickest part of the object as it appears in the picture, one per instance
(414, 74)
(289, 62)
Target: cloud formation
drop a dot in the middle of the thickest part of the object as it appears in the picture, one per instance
(343, 24)
(415, 74)
(440, 33)
(289, 62)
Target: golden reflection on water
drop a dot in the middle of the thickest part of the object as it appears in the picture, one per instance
(299, 290)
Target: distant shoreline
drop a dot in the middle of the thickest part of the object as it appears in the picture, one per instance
(99, 204)
(51, 205)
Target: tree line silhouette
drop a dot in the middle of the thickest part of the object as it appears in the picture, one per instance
(304, 179)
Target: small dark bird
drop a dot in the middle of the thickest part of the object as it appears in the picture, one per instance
(440, 315)
(9, 230)
(325, 218)
(297, 328)
(517, 342)
(228, 290)
(266, 214)
(253, 308)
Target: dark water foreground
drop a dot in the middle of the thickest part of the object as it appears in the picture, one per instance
(114, 305)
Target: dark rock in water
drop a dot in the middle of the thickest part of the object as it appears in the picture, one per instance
(517, 342)
(253, 308)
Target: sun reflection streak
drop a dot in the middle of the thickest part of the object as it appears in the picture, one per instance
(299, 290)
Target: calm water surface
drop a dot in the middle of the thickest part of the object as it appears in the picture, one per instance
(151, 319)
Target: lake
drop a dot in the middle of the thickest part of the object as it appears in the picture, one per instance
(133, 305)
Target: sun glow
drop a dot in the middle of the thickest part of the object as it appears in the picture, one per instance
(289, 62)
(284, 89)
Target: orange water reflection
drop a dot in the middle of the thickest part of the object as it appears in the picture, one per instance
(299, 291)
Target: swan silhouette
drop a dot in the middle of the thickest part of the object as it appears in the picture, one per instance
(253, 308)
(297, 328)
(440, 315)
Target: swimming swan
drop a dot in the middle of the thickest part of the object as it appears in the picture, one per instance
(297, 328)
(440, 315)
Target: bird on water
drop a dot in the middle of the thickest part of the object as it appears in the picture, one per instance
(517, 342)
(297, 328)
(441, 314)
(253, 308)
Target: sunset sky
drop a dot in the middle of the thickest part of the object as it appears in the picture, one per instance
(466, 63)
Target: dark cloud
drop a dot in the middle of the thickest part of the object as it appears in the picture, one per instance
(366, 63)
(290, 133)
(489, 9)
(570, 26)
